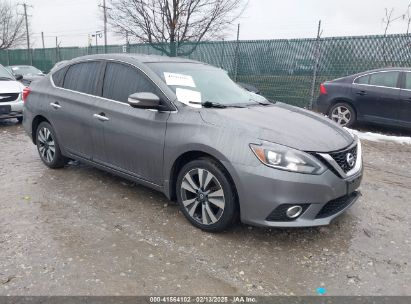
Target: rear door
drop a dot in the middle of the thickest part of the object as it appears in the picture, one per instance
(71, 108)
(133, 138)
(377, 96)
(405, 100)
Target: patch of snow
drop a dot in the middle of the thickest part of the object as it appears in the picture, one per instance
(376, 137)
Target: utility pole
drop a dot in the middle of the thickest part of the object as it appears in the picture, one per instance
(27, 33)
(317, 61)
(42, 39)
(105, 24)
(97, 34)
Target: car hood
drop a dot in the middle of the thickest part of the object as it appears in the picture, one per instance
(10, 86)
(283, 124)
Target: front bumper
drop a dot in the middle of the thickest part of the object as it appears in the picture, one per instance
(324, 197)
(16, 109)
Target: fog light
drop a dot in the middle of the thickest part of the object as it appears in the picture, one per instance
(294, 211)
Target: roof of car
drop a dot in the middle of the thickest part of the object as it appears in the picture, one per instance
(352, 76)
(389, 69)
(142, 58)
(381, 70)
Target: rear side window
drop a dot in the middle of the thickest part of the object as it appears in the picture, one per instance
(120, 81)
(363, 80)
(386, 79)
(58, 77)
(408, 81)
(83, 77)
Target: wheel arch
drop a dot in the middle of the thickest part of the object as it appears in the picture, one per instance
(342, 100)
(36, 122)
(187, 157)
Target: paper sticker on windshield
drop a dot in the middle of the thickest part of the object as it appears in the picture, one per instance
(173, 79)
(189, 97)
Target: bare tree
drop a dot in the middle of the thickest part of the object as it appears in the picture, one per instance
(174, 27)
(387, 21)
(12, 29)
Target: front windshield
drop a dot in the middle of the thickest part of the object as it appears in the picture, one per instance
(25, 70)
(198, 83)
(4, 73)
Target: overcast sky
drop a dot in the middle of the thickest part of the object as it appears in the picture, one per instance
(73, 20)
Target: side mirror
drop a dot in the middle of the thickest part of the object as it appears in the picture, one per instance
(18, 77)
(144, 100)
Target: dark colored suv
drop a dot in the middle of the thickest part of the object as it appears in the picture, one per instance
(380, 97)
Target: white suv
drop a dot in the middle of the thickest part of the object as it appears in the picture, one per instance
(11, 91)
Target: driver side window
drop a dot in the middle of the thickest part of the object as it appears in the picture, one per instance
(121, 80)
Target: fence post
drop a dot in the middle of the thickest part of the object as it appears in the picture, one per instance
(222, 54)
(8, 57)
(317, 61)
(57, 50)
(236, 55)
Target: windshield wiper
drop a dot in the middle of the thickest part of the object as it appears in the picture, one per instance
(262, 103)
(6, 78)
(210, 104)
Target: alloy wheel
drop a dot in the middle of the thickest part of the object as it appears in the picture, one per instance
(341, 115)
(202, 196)
(46, 145)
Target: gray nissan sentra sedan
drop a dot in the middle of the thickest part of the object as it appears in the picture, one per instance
(186, 129)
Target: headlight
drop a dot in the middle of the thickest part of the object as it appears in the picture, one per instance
(288, 159)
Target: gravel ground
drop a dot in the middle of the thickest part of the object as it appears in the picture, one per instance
(81, 231)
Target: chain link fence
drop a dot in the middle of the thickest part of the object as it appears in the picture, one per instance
(282, 69)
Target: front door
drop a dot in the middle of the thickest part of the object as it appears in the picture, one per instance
(405, 100)
(133, 138)
(377, 96)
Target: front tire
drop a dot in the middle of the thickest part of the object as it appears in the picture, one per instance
(20, 119)
(48, 146)
(206, 195)
(343, 114)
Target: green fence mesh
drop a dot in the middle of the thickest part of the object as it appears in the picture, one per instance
(282, 69)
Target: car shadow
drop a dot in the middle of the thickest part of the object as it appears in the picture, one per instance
(8, 122)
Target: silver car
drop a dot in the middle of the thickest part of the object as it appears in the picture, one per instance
(11, 102)
(186, 129)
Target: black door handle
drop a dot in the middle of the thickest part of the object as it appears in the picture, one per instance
(362, 93)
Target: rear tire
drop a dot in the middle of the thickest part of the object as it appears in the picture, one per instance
(48, 146)
(343, 114)
(206, 195)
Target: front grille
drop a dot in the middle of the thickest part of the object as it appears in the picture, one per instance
(279, 214)
(341, 158)
(335, 206)
(7, 97)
